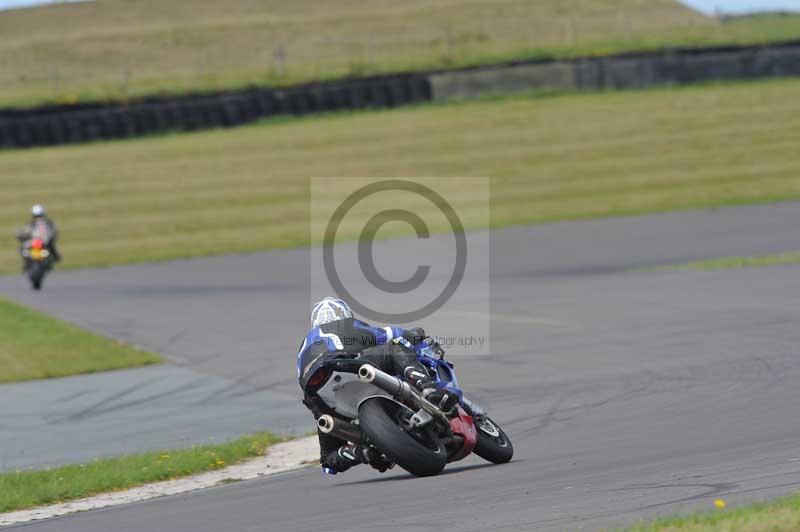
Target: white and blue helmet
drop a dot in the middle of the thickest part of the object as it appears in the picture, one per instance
(38, 210)
(328, 310)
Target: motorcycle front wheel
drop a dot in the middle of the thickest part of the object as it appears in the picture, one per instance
(36, 273)
(385, 423)
(493, 444)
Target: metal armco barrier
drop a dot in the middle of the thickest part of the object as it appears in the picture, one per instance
(65, 124)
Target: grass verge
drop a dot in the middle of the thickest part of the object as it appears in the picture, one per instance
(120, 49)
(730, 263)
(779, 516)
(35, 346)
(25, 489)
(568, 157)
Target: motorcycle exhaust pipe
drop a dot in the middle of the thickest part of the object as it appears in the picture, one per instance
(372, 375)
(325, 423)
(339, 428)
(399, 389)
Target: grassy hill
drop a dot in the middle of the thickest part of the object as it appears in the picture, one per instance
(574, 156)
(124, 48)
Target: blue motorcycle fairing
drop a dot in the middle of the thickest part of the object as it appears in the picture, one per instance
(441, 370)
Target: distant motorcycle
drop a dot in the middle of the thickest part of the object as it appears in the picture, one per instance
(377, 409)
(36, 255)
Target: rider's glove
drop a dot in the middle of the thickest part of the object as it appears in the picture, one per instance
(415, 335)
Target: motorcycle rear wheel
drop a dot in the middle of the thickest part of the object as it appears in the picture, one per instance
(422, 455)
(493, 444)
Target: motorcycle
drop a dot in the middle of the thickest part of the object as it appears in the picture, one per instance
(376, 409)
(38, 261)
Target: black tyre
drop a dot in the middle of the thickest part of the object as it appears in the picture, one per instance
(36, 275)
(420, 453)
(493, 444)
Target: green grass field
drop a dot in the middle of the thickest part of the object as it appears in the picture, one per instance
(35, 346)
(568, 157)
(120, 49)
(779, 516)
(25, 489)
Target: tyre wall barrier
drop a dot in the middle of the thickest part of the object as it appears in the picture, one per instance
(47, 126)
(622, 71)
(65, 124)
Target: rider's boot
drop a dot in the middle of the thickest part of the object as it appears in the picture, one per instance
(442, 398)
(350, 454)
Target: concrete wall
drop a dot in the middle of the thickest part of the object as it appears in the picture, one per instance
(619, 72)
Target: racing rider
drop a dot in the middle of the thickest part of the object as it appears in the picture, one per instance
(336, 334)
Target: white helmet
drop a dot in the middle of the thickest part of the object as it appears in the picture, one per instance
(328, 310)
(38, 210)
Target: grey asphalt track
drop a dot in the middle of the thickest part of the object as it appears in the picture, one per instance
(627, 394)
(80, 418)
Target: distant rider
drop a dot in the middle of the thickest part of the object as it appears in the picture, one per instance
(40, 227)
(336, 334)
